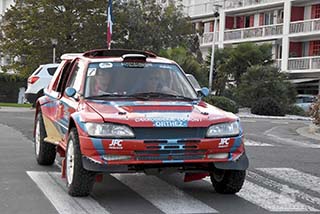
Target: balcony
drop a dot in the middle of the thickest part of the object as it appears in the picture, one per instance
(253, 33)
(207, 38)
(201, 9)
(231, 4)
(304, 63)
(305, 26)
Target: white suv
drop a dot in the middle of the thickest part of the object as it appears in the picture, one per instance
(38, 80)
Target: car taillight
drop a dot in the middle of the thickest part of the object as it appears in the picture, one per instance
(32, 79)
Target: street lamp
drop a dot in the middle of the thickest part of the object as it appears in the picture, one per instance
(215, 15)
(54, 43)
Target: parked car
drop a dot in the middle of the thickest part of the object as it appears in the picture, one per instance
(120, 111)
(304, 101)
(38, 80)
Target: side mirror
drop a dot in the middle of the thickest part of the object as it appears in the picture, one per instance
(70, 92)
(204, 92)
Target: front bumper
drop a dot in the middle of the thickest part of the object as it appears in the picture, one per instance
(125, 155)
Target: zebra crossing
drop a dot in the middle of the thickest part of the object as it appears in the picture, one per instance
(269, 189)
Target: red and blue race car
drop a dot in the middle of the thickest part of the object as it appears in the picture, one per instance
(120, 111)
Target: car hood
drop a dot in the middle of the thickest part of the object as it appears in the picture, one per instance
(161, 113)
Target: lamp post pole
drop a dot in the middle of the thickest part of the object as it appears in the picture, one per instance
(54, 43)
(215, 15)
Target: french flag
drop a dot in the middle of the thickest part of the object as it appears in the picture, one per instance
(109, 25)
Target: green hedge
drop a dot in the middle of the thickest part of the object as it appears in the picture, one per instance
(223, 103)
(9, 87)
(267, 106)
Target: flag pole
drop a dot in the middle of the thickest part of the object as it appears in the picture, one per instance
(109, 24)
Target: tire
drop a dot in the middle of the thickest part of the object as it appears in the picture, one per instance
(79, 181)
(227, 181)
(45, 152)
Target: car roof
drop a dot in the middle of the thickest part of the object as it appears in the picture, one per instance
(116, 55)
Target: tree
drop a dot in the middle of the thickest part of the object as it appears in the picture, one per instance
(30, 24)
(265, 82)
(231, 63)
(81, 25)
(187, 61)
(146, 25)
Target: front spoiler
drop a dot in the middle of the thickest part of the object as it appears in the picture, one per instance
(242, 163)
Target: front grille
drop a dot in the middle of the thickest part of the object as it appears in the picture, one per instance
(169, 133)
(170, 154)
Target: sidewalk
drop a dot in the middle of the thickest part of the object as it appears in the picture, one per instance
(310, 131)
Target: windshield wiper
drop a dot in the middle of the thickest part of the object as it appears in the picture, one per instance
(106, 95)
(148, 95)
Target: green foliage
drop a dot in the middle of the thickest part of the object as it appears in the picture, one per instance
(10, 85)
(296, 110)
(187, 61)
(265, 82)
(315, 112)
(148, 26)
(81, 25)
(267, 106)
(232, 62)
(223, 103)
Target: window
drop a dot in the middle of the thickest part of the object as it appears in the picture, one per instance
(52, 70)
(315, 48)
(315, 11)
(75, 80)
(268, 18)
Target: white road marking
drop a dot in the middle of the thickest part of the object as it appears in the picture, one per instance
(249, 142)
(167, 198)
(289, 141)
(279, 122)
(50, 185)
(284, 189)
(269, 199)
(296, 177)
(248, 121)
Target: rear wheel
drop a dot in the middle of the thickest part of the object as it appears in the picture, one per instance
(79, 181)
(45, 152)
(227, 181)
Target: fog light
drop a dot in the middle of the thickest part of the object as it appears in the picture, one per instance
(218, 156)
(116, 157)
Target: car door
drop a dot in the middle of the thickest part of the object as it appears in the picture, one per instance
(68, 105)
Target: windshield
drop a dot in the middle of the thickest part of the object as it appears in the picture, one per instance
(115, 79)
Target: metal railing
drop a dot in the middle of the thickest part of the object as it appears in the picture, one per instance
(304, 63)
(230, 4)
(199, 9)
(207, 38)
(305, 26)
(254, 32)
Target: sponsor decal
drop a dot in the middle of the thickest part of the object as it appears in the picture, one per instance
(116, 144)
(105, 65)
(224, 142)
(91, 72)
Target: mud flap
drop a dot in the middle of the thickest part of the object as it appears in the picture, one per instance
(188, 177)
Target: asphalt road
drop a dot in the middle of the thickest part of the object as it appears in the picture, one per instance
(284, 176)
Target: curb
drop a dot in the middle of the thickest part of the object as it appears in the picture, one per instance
(288, 117)
(16, 109)
(308, 132)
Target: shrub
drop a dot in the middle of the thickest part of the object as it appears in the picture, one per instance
(223, 103)
(315, 112)
(267, 106)
(296, 110)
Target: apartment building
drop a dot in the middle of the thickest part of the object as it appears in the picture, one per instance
(291, 26)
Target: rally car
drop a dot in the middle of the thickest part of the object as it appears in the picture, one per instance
(120, 111)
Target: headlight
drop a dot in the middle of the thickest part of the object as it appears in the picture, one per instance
(224, 129)
(108, 130)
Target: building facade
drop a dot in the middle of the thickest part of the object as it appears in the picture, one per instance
(291, 26)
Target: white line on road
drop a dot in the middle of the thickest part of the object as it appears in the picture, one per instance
(284, 189)
(164, 196)
(289, 141)
(293, 176)
(269, 199)
(65, 204)
(249, 142)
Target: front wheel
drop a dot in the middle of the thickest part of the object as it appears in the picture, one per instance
(227, 181)
(79, 181)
